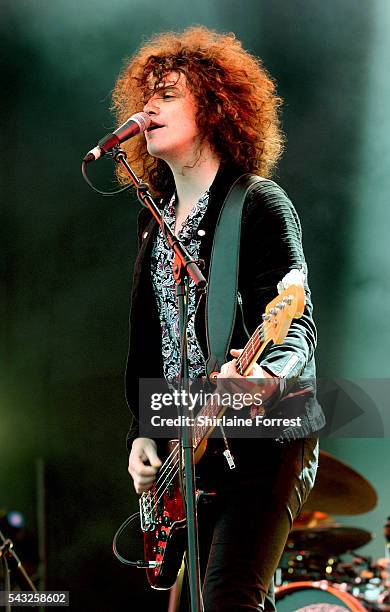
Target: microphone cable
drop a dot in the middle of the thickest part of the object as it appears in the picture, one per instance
(103, 193)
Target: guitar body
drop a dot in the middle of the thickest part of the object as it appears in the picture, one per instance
(166, 540)
(165, 534)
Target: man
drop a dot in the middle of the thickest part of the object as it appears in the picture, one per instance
(215, 116)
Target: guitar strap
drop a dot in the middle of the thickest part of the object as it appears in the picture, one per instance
(221, 304)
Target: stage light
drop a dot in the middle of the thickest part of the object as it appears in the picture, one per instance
(15, 519)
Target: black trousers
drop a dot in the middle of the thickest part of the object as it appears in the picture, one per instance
(243, 528)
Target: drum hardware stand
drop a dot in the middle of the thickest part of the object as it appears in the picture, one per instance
(7, 548)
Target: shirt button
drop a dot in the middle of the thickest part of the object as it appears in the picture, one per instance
(201, 233)
(144, 235)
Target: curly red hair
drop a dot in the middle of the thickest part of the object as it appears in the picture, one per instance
(236, 98)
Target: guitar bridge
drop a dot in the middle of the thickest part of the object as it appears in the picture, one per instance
(148, 511)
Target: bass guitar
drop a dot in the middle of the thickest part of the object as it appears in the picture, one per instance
(162, 510)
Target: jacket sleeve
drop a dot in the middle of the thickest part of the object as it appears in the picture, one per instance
(271, 247)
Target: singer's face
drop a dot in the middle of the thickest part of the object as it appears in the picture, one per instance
(173, 107)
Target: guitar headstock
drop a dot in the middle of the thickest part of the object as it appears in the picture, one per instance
(279, 313)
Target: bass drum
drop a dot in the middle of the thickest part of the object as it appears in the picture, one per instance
(315, 597)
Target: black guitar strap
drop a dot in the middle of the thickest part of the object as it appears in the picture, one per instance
(221, 304)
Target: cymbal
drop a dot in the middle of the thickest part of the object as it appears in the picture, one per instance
(327, 540)
(339, 489)
(312, 519)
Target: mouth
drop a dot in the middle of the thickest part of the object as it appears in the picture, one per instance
(154, 126)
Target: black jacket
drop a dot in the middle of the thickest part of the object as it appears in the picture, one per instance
(271, 246)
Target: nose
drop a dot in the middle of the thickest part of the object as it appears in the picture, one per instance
(151, 107)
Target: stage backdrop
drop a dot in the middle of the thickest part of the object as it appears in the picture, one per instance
(67, 254)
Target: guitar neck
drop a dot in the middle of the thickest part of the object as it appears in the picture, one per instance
(212, 409)
(276, 322)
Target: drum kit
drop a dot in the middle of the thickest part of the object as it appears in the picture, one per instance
(320, 570)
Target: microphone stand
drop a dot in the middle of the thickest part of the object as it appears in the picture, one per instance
(183, 268)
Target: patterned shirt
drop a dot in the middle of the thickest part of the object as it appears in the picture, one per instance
(164, 287)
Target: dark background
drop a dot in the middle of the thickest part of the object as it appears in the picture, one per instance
(67, 254)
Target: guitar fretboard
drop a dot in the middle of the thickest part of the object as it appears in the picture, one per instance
(212, 409)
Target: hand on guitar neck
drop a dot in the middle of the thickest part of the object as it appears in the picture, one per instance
(264, 383)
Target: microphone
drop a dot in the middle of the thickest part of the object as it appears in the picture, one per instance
(136, 124)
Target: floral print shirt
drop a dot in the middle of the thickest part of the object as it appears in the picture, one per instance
(164, 288)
